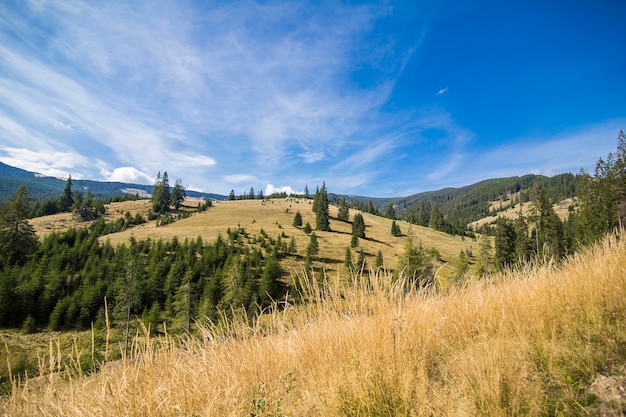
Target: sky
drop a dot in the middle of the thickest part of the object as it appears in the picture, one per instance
(379, 99)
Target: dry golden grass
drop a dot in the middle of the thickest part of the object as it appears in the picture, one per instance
(524, 343)
(276, 216)
(561, 209)
(60, 222)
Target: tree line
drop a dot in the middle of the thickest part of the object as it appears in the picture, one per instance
(600, 208)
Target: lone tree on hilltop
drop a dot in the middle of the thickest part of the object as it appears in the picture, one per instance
(161, 193)
(178, 194)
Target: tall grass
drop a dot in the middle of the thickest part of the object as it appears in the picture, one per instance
(522, 343)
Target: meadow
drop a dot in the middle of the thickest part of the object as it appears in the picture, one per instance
(525, 342)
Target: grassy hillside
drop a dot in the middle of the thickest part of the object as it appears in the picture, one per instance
(275, 216)
(525, 343)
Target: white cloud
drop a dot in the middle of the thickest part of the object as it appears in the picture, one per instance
(270, 189)
(311, 157)
(237, 178)
(126, 174)
(440, 92)
(50, 163)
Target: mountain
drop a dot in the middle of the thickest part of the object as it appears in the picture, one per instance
(461, 206)
(41, 187)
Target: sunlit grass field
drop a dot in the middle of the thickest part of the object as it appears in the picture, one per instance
(528, 342)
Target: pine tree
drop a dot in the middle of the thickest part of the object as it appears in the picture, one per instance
(422, 215)
(347, 260)
(390, 213)
(343, 213)
(307, 228)
(292, 248)
(269, 284)
(297, 219)
(313, 246)
(415, 266)
(161, 193)
(379, 260)
(17, 237)
(320, 207)
(67, 199)
(358, 226)
(484, 263)
(178, 194)
(505, 243)
(436, 218)
(306, 192)
(395, 229)
(231, 196)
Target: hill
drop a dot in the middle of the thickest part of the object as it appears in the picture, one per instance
(41, 187)
(274, 218)
(464, 205)
(542, 341)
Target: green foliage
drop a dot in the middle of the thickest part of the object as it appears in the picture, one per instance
(380, 262)
(395, 229)
(358, 226)
(343, 213)
(62, 285)
(297, 219)
(67, 200)
(602, 197)
(321, 210)
(390, 213)
(313, 247)
(161, 197)
(416, 265)
(347, 261)
(17, 237)
(307, 228)
(178, 194)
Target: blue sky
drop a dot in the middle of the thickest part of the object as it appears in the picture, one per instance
(375, 98)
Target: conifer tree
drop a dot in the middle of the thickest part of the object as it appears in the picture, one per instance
(379, 260)
(313, 246)
(17, 237)
(505, 243)
(395, 229)
(320, 207)
(178, 194)
(297, 219)
(67, 199)
(415, 265)
(231, 196)
(358, 226)
(343, 213)
(347, 260)
(390, 213)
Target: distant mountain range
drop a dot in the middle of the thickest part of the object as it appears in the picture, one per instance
(43, 187)
(460, 205)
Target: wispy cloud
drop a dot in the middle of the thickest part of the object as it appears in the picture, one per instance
(440, 92)
(174, 87)
(239, 178)
(54, 164)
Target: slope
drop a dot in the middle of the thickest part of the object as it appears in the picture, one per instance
(527, 343)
